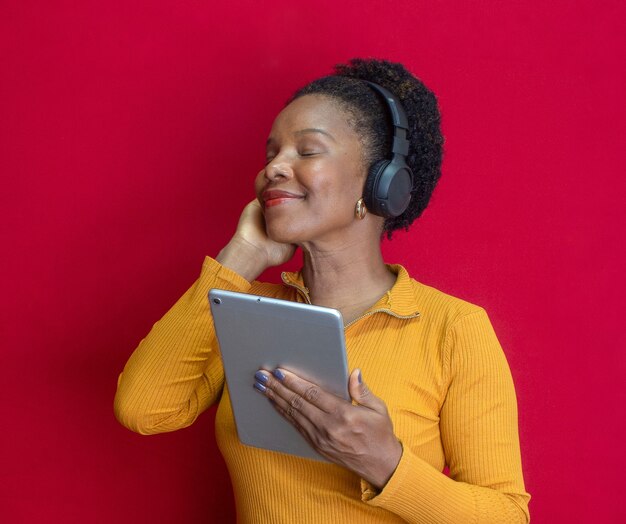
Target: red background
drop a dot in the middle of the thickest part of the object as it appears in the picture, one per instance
(130, 136)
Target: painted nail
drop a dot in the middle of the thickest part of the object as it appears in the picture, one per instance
(360, 377)
(261, 377)
(260, 387)
(279, 374)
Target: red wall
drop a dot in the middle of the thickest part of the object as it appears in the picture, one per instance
(130, 136)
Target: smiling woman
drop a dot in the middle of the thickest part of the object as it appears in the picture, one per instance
(430, 386)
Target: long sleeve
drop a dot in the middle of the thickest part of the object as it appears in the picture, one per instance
(448, 388)
(176, 372)
(478, 422)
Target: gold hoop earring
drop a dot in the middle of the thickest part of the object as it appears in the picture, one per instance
(360, 210)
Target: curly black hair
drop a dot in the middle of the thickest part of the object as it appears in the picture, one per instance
(370, 118)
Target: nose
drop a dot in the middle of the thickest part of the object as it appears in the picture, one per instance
(277, 169)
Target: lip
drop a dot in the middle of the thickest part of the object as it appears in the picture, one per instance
(275, 197)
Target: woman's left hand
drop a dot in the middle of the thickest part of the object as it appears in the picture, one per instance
(359, 437)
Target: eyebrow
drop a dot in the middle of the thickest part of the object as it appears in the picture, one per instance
(309, 130)
(315, 130)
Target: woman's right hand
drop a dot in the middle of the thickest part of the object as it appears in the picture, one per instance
(251, 251)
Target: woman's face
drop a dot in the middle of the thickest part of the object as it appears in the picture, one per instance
(314, 173)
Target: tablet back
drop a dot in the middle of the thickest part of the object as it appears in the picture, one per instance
(264, 333)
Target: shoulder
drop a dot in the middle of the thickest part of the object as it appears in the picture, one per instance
(436, 306)
(470, 347)
(469, 340)
(434, 299)
(460, 321)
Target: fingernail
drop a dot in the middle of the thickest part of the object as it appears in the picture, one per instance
(260, 387)
(360, 377)
(261, 377)
(279, 374)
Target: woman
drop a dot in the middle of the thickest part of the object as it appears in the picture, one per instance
(430, 384)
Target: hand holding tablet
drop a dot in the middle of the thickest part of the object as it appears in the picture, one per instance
(260, 333)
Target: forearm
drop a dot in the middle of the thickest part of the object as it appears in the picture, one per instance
(176, 372)
(417, 492)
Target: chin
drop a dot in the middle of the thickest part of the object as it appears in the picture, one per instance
(285, 234)
(283, 237)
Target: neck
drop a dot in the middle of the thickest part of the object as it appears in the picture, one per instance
(350, 277)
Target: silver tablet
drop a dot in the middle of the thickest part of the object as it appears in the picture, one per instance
(264, 333)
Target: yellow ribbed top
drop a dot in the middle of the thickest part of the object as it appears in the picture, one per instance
(435, 361)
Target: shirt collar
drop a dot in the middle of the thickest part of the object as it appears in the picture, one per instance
(401, 300)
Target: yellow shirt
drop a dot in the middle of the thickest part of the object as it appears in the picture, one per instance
(434, 360)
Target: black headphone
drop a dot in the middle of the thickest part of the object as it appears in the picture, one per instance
(387, 190)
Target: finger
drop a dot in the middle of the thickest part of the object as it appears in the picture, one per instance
(308, 431)
(292, 415)
(288, 408)
(362, 395)
(304, 395)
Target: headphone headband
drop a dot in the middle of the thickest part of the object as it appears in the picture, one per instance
(399, 120)
(387, 190)
(398, 115)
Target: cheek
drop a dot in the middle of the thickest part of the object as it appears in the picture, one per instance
(343, 193)
(259, 182)
(338, 184)
(335, 209)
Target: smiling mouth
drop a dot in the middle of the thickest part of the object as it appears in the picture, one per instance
(276, 198)
(278, 201)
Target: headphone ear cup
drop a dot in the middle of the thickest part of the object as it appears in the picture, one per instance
(371, 185)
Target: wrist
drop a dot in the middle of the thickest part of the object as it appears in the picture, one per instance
(388, 466)
(243, 258)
